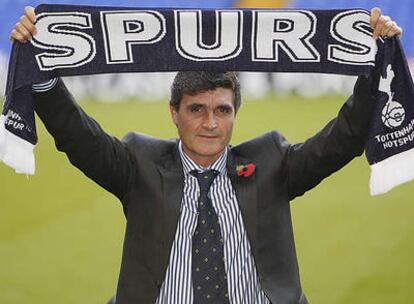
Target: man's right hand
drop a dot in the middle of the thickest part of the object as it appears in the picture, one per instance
(25, 29)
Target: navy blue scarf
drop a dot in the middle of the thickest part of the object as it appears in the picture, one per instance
(80, 40)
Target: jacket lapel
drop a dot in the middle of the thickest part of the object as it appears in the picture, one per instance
(246, 194)
(172, 186)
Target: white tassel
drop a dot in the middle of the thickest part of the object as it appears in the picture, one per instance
(16, 152)
(391, 172)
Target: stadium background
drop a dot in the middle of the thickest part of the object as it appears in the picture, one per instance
(61, 235)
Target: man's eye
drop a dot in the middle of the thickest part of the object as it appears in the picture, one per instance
(225, 110)
(195, 108)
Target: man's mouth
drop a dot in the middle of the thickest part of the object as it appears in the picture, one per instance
(208, 136)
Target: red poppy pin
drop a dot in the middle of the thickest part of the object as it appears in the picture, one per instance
(245, 170)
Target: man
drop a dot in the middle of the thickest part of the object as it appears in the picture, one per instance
(206, 222)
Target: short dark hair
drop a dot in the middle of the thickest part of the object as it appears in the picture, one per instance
(193, 82)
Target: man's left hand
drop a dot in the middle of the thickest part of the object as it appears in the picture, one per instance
(383, 26)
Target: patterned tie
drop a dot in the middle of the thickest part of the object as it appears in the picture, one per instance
(209, 276)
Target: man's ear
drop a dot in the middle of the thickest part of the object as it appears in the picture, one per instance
(174, 114)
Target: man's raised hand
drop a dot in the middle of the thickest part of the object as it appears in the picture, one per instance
(383, 26)
(25, 29)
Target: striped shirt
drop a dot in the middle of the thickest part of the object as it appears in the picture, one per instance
(243, 283)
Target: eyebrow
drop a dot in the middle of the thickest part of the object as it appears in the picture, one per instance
(225, 106)
(195, 103)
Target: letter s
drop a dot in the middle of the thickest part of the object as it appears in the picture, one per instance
(351, 28)
(65, 48)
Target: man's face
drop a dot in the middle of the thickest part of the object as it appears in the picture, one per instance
(205, 124)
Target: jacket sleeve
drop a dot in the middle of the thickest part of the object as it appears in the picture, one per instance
(101, 157)
(342, 139)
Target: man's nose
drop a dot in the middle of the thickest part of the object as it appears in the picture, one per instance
(210, 121)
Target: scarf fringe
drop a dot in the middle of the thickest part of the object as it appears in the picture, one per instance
(392, 172)
(16, 152)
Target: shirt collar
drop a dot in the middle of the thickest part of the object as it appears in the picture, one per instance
(190, 165)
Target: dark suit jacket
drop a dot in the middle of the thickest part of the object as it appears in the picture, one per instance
(146, 174)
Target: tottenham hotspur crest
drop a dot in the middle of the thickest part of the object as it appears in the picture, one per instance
(393, 113)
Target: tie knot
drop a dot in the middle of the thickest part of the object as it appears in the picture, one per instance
(205, 178)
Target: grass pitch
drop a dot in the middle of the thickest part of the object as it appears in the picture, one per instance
(61, 235)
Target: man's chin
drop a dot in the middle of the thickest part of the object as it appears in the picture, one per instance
(209, 152)
(209, 149)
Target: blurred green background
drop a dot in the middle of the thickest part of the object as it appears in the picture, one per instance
(61, 235)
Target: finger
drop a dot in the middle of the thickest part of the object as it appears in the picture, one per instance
(23, 31)
(24, 20)
(395, 31)
(380, 25)
(30, 13)
(375, 15)
(399, 32)
(15, 35)
(392, 33)
(386, 28)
